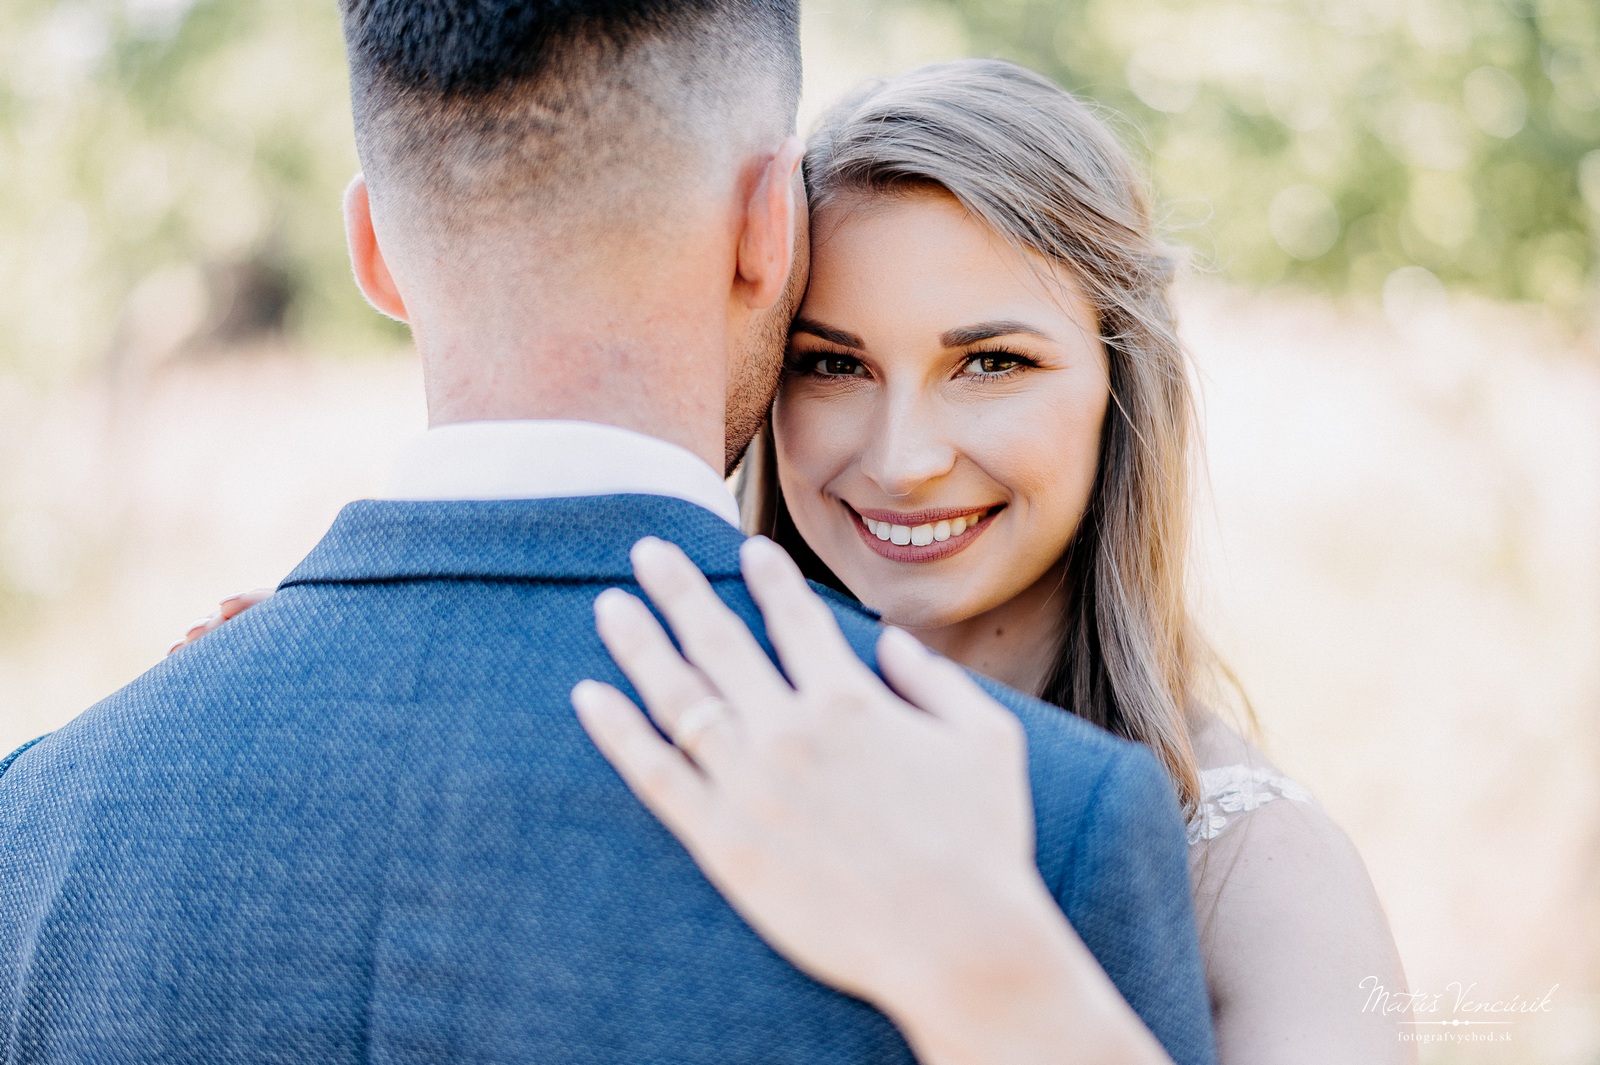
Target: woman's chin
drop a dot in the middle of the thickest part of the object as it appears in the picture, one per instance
(916, 614)
(909, 598)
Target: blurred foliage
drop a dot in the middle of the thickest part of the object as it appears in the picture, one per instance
(170, 170)
(1336, 142)
(170, 174)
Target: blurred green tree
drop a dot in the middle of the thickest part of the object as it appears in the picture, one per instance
(170, 173)
(1336, 141)
(170, 170)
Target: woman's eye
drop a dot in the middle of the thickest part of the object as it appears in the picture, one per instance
(991, 365)
(837, 366)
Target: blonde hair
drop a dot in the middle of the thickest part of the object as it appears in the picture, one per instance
(1035, 165)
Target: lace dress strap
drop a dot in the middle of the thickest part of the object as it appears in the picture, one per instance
(1228, 792)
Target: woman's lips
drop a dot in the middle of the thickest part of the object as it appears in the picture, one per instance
(916, 537)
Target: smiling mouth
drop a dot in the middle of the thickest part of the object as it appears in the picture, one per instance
(921, 537)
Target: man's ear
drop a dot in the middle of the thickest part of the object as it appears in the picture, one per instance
(372, 273)
(766, 246)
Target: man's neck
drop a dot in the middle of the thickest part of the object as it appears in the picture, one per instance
(660, 374)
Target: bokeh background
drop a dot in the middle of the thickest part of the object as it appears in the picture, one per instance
(1392, 216)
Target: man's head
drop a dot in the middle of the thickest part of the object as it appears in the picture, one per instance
(525, 158)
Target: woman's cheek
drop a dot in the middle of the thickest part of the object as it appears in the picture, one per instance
(1044, 453)
(809, 433)
(1013, 441)
(1067, 488)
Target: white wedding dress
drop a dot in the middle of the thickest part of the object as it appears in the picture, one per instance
(1229, 792)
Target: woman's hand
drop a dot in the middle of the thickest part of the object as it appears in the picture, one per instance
(881, 842)
(230, 608)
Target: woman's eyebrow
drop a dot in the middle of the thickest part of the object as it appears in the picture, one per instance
(826, 332)
(973, 334)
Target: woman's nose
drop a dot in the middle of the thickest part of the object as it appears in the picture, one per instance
(908, 448)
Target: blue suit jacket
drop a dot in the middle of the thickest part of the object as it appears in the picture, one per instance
(362, 823)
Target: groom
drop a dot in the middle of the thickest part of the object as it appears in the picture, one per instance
(361, 822)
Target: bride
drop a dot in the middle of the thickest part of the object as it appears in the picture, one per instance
(984, 435)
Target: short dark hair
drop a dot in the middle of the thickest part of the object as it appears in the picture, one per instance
(473, 100)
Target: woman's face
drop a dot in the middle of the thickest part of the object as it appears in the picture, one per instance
(938, 428)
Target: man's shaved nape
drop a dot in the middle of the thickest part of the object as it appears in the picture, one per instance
(574, 114)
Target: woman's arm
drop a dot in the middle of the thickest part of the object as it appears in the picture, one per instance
(884, 846)
(1291, 927)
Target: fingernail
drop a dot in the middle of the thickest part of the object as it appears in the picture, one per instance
(610, 599)
(649, 547)
(591, 706)
(759, 547)
(659, 560)
(903, 640)
(199, 624)
(584, 692)
(615, 607)
(177, 644)
(231, 597)
(760, 555)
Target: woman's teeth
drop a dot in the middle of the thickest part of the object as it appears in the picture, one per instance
(922, 535)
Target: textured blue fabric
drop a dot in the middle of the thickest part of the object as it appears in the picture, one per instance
(14, 755)
(361, 823)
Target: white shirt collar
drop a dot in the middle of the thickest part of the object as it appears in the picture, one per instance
(551, 459)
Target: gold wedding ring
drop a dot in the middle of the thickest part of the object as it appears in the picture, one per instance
(697, 720)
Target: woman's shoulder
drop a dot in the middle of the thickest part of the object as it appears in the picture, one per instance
(1290, 921)
(1251, 813)
(1263, 852)
(1236, 780)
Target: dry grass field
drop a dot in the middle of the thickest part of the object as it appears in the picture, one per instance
(1403, 562)
(1400, 546)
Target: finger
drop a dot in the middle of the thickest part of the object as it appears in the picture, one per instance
(934, 683)
(197, 628)
(669, 686)
(656, 771)
(713, 637)
(234, 605)
(705, 732)
(803, 630)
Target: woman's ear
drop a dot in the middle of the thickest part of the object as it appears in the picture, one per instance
(372, 272)
(767, 243)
